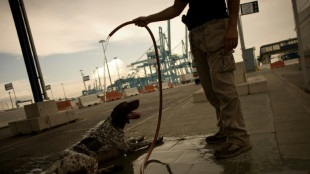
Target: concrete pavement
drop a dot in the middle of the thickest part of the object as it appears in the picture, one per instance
(277, 121)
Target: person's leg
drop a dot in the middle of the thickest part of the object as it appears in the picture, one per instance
(222, 65)
(200, 58)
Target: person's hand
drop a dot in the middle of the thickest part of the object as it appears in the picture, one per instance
(141, 21)
(231, 38)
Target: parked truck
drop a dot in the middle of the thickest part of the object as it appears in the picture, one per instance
(185, 78)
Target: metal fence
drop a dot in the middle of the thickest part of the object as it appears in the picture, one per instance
(301, 10)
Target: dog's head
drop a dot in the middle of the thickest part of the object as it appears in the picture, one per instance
(123, 112)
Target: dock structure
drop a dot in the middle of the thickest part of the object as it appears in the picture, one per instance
(171, 65)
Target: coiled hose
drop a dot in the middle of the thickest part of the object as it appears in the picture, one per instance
(160, 92)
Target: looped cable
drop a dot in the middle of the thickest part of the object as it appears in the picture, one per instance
(160, 92)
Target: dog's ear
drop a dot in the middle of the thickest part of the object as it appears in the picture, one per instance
(120, 112)
(125, 108)
(133, 105)
(120, 109)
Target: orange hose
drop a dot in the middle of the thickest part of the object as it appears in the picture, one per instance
(160, 92)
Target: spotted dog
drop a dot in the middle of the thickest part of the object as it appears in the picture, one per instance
(103, 142)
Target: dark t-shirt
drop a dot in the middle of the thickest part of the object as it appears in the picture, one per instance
(201, 11)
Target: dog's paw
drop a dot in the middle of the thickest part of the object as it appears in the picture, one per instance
(136, 140)
(158, 141)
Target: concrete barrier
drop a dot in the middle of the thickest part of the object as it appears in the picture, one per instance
(131, 92)
(13, 127)
(149, 88)
(41, 116)
(89, 100)
(64, 105)
(165, 85)
(41, 123)
(59, 118)
(265, 66)
(243, 89)
(257, 84)
(113, 95)
(20, 127)
(75, 104)
(277, 64)
(170, 85)
(40, 109)
(291, 62)
(253, 85)
(141, 91)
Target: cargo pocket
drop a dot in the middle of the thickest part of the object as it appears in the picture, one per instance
(228, 61)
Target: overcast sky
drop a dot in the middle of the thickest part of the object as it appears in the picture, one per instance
(66, 35)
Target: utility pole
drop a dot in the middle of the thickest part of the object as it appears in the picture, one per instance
(11, 100)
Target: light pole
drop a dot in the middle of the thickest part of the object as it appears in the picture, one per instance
(118, 73)
(52, 94)
(15, 96)
(99, 79)
(117, 68)
(105, 59)
(11, 100)
(64, 90)
(83, 79)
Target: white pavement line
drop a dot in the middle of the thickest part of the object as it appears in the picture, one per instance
(76, 130)
(138, 124)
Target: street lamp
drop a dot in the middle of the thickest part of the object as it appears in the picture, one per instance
(118, 73)
(64, 90)
(83, 79)
(11, 100)
(100, 87)
(105, 58)
(117, 68)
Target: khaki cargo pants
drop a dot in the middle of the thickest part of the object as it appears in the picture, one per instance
(215, 68)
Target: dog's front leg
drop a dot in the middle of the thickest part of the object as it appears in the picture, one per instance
(144, 143)
(135, 140)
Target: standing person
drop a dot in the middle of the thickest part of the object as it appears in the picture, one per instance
(213, 36)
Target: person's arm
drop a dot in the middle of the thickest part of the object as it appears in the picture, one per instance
(231, 36)
(168, 13)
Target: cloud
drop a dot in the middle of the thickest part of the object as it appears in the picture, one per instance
(60, 27)
(22, 91)
(72, 27)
